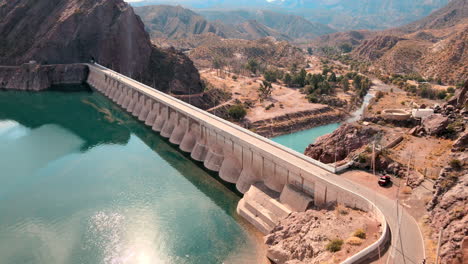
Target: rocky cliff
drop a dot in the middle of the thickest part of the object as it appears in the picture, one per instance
(35, 77)
(74, 31)
(339, 144)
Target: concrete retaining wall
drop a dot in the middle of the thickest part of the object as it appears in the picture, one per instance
(240, 156)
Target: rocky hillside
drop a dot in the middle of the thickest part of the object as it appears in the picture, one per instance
(234, 53)
(435, 47)
(71, 31)
(176, 22)
(448, 211)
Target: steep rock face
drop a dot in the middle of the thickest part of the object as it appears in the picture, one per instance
(35, 77)
(337, 145)
(449, 212)
(73, 31)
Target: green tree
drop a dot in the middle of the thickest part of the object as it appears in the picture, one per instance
(332, 77)
(287, 79)
(237, 111)
(265, 89)
(218, 64)
(324, 87)
(299, 79)
(346, 47)
(270, 76)
(345, 84)
(309, 50)
(252, 65)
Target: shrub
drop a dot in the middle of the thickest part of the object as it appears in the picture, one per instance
(451, 90)
(360, 233)
(334, 245)
(354, 241)
(234, 77)
(441, 94)
(269, 106)
(455, 164)
(362, 158)
(237, 111)
(379, 95)
(341, 209)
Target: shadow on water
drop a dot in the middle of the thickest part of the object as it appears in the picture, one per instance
(34, 109)
(99, 121)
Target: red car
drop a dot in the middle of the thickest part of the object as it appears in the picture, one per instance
(384, 180)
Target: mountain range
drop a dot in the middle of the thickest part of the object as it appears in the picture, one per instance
(176, 22)
(338, 14)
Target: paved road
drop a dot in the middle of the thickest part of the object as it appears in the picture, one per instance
(407, 243)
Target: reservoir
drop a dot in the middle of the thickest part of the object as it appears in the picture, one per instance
(83, 182)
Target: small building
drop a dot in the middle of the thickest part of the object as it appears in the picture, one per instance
(421, 113)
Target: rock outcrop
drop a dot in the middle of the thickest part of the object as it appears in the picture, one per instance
(449, 213)
(339, 144)
(435, 124)
(35, 77)
(74, 31)
(301, 237)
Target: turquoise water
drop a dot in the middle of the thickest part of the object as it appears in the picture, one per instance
(83, 182)
(300, 140)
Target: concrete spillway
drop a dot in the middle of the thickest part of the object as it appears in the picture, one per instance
(274, 180)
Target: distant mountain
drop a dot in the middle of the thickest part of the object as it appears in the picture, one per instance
(176, 22)
(339, 14)
(452, 14)
(295, 27)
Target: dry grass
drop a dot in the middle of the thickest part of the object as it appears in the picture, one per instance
(354, 241)
(341, 210)
(407, 190)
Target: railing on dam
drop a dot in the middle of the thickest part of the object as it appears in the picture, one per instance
(239, 155)
(322, 165)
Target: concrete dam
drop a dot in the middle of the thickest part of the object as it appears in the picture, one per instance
(275, 180)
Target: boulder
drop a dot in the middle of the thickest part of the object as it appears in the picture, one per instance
(460, 99)
(461, 143)
(435, 124)
(337, 145)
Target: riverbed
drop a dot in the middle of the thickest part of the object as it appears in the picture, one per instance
(83, 182)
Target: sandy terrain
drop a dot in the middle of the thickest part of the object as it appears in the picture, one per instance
(428, 154)
(301, 235)
(286, 100)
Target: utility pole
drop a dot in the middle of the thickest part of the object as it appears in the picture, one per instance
(438, 245)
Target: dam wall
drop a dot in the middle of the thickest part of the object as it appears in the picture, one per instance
(274, 179)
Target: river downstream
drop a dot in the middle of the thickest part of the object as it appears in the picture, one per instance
(83, 182)
(299, 140)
